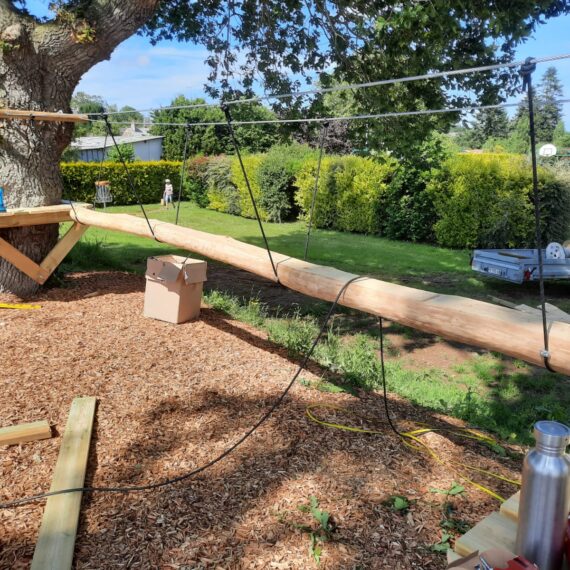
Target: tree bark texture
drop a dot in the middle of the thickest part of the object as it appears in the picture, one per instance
(40, 66)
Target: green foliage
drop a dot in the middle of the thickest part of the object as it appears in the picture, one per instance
(212, 139)
(196, 180)
(148, 177)
(400, 504)
(351, 194)
(277, 179)
(454, 489)
(122, 152)
(222, 194)
(322, 533)
(251, 164)
(486, 201)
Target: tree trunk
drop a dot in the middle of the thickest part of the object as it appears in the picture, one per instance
(30, 152)
(40, 66)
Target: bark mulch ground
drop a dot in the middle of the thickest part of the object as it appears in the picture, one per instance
(170, 398)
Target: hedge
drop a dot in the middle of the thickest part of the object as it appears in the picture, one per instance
(251, 164)
(486, 201)
(351, 195)
(148, 179)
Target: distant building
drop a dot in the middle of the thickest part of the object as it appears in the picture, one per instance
(94, 149)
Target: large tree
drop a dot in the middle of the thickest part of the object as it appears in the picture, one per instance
(43, 59)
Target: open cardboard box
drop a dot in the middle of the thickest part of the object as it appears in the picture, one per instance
(174, 288)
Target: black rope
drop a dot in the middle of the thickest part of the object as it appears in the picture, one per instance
(128, 173)
(226, 111)
(183, 171)
(383, 373)
(526, 71)
(223, 455)
(315, 190)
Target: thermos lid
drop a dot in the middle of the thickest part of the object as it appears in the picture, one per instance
(552, 434)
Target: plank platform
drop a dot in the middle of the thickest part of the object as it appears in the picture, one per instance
(21, 433)
(56, 540)
(498, 530)
(20, 217)
(24, 115)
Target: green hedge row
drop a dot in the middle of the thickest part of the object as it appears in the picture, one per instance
(486, 200)
(148, 178)
(465, 201)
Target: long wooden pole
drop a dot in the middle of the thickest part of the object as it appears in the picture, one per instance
(456, 318)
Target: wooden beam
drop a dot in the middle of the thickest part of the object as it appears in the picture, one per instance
(25, 432)
(457, 318)
(21, 115)
(61, 249)
(56, 540)
(22, 262)
(19, 217)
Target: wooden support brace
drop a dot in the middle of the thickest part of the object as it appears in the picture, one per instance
(56, 540)
(21, 433)
(21, 115)
(40, 273)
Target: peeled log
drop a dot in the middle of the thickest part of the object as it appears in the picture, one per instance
(456, 318)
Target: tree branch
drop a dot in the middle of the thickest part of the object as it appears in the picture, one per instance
(75, 42)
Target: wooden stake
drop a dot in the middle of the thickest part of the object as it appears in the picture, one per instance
(56, 540)
(22, 262)
(457, 318)
(25, 432)
(20, 115)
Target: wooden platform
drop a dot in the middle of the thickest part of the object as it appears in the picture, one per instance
(20, 217)
(497, 530)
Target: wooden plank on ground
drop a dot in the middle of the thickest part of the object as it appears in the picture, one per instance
(56, 540)
(495, 531)
(24, 115)
(510, 508)
(61, 249)
(21, 261)
(21, 433)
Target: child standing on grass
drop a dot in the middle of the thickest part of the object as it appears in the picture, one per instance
(168, 193)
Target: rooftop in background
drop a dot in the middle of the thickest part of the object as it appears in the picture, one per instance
(95, 143)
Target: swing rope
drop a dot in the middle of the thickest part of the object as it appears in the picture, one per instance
(129, 177)
(182, 171)
(228, 115)
(526, 71)
(316, 188)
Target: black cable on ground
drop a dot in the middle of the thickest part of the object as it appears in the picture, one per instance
(315, 190)
(228, 115)
(223, 455)
(128, 173)
(384, 386)
(183, 171)
(526, 71)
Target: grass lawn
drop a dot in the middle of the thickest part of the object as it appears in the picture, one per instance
(487, 390)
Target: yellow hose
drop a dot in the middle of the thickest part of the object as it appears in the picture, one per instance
(412, 440)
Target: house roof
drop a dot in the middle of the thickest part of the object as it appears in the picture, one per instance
(97, 143)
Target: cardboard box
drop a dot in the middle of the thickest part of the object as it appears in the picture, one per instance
(173, 288)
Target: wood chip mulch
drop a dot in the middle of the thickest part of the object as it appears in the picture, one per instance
(170, 398)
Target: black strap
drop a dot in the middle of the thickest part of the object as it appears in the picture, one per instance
(228, 115)
(526, 71)
(128, 173)
(183, 171)
(315, 190)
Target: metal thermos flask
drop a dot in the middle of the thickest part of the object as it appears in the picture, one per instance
(545, 497)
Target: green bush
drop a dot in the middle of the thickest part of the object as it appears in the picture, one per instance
(148, 179)
(351, 194)
(195, 180)
(485, 200)
(222, 194)
(276, 175)
(251, 164)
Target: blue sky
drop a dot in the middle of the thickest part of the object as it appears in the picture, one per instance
(144, 76)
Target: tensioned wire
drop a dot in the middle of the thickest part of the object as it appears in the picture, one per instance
(343, 118)
(336, 88)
